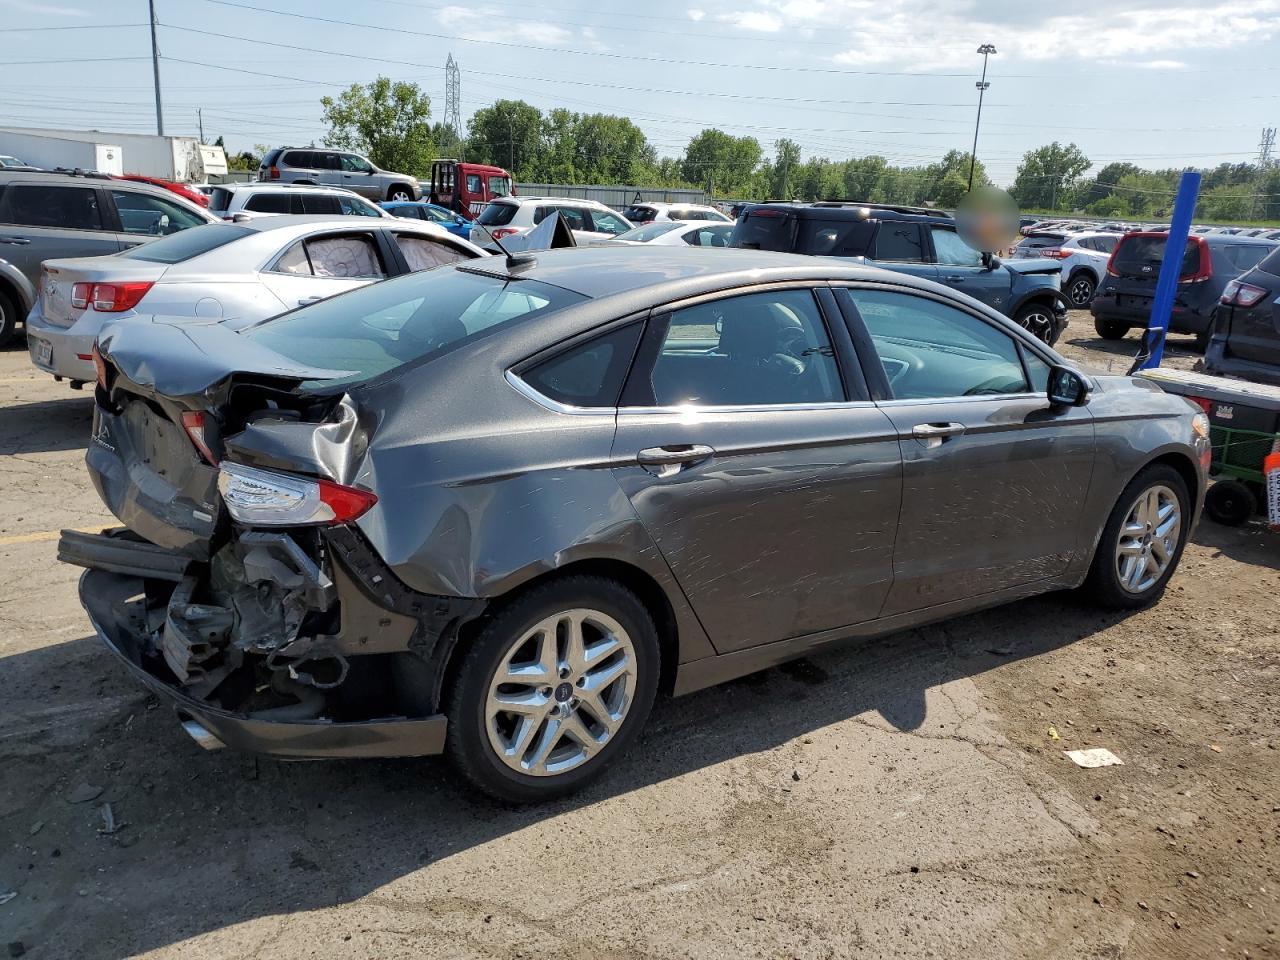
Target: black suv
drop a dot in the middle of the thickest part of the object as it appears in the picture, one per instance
(1210, 262)
(1246, 332)
(913, 240)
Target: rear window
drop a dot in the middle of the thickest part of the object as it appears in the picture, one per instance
(1140, 256)
(378, 328)
(1042, 242)
(178, 247)
(1271, 263)
(220, 198)
(650, 230)
(764, 230)
(497, 214)
(271, 157)
(1243, 256)
(640, 214)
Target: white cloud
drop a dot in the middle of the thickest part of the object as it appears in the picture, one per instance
(696, 15)
(476, 23)
(44, 9)
(934, 34)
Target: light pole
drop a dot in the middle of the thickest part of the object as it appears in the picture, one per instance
(986, 50)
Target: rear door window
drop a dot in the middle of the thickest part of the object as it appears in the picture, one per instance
(605, 222)
(350, 256)
(325, 204)
(38, 205)
(834, 238)
(301, 158)
(899, 242)
(356, 207)
(268, 203)
(575, 218)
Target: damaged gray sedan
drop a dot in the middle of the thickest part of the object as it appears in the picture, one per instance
(493, 510)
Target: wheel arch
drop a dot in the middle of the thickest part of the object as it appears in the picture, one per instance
(647, 589)
(18, 288)
(1186, 468)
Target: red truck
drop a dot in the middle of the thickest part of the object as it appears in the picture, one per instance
(465, 188)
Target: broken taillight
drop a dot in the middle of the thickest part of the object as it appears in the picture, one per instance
(267, 498)
(99, 366)
(194, 423)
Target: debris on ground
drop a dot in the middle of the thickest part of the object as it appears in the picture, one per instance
(6, 897)
(109, 824)
(37, 827)
(1053, 733)
(1094, 757)
(84, 793)
(17, 948)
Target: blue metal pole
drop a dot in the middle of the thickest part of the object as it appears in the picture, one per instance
(1170, 270)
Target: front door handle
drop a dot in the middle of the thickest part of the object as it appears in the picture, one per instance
(933, 434)
(954, 278)
(669, 460)
(20, 241)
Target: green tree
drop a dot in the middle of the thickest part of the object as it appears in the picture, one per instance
(1046, 173)
(1102, 185)
(385, 120)
(609, 149)
(446, 141)
(508, 134)
(786, 160)
(725, 162)
(863, 179)
(1112, 205)
(1149, 193)
(1228, 201)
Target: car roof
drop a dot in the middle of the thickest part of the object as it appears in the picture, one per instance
(857, 210)
(521, 200)
(292, 221)
(1216, 239)
(599, 271)
(290, 187)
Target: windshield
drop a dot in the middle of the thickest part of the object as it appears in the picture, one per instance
(186, 244)
(650, 231)
(386, 325)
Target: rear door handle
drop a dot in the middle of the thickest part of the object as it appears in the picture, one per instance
(20, 241)
(307, 301)
(933, 434)
(669, 460)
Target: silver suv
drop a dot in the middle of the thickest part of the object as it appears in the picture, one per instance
(56, 215)
(337, 168)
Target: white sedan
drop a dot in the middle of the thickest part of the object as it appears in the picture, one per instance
(233, 273)
(674, 233)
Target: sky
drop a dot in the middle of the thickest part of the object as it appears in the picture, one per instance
(1165, 84)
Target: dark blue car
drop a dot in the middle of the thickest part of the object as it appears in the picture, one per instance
(457, 225)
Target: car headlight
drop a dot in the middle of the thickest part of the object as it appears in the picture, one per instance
(1200, 426)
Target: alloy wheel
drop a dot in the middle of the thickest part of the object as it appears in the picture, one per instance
(1148, 539)
(561, 692)
(1039, 324)
(1080, 292)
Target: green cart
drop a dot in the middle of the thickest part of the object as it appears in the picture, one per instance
(1244, 429)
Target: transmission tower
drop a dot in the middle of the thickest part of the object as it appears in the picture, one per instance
(453, 97)
(1266, 147)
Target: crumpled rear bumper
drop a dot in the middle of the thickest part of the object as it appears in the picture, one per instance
(118, 615)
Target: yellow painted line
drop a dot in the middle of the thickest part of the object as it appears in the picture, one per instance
(49, 534)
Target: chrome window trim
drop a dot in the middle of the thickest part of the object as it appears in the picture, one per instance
(555, 406)
(908, 401)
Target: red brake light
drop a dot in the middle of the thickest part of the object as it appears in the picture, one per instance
(499, 232)
(1204, 270)
(766, 213)
(347, 503)
(117, 297)
(81, 294)
(193, 422)
(1056, 254)
(273, 173)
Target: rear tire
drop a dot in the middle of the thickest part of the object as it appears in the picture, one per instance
(1110, 329)
(1138, 551)
(525, 740)
(1229, 502)
(1203, 338)
(8, 318)
(1080, 290)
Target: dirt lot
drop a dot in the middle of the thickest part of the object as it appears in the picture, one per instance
(902, 798)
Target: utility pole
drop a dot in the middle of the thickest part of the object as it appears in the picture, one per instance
(453, 98)
(200, 120)
(986, 50)
(155, 69)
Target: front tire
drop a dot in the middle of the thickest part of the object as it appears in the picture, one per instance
(399, 194)
(1143, 540)
(1110, 329)
(1039, 320)
(553, 690)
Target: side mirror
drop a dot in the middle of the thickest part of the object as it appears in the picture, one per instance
(1067, 388)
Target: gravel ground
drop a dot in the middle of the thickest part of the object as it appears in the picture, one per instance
(903, 798)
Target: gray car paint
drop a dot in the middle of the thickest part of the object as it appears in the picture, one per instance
(483, 487)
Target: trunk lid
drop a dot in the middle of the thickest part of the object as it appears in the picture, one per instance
(59, 277)
(145, 464)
